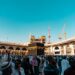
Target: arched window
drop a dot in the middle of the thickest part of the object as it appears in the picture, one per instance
(3, 47)
(23, 48)
(11, 48)
(56, 48)
(0, 47)
(17, 48)
(57, 52)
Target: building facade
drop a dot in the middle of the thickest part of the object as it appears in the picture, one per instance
(34, 47)
(39, 47)
(65, 47)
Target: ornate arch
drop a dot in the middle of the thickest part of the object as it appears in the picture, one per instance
(10, 48)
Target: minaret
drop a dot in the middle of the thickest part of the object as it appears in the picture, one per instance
(29, 37)
(49, 35)
(64, 32)
(65, 35)
(60, 36)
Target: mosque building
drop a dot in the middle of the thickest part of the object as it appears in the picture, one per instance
(39, 46)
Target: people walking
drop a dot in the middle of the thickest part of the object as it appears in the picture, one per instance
(27, 66)
(64, 64)
(71, 69)
(18, 69)
(35, 66)
(51, 68)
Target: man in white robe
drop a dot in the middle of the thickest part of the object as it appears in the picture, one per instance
(64, 64)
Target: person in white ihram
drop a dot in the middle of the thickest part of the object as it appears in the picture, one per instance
(4, 64)
(64, 64)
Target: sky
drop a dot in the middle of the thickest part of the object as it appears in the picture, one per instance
(20, 18)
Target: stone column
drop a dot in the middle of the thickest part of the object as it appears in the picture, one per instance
(72, 51)
(64, 49)
(60, 50)
(14, 48)
(49, 50)
(53, 50)
(7, 47)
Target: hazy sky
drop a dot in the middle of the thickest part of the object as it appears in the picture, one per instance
(19, 18)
